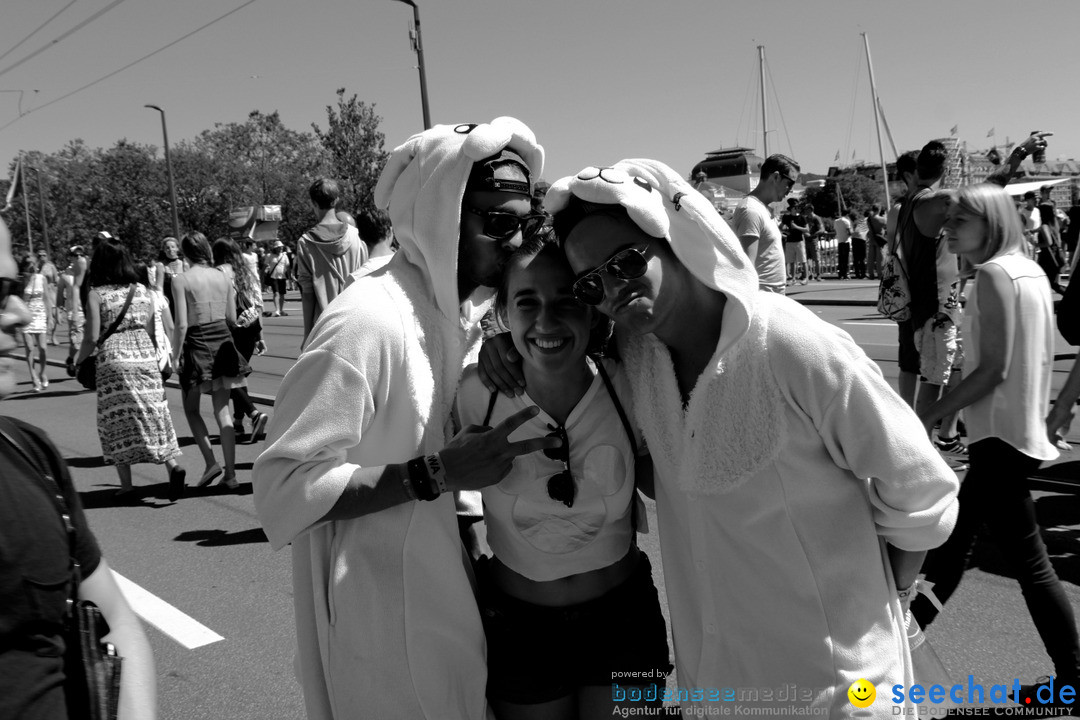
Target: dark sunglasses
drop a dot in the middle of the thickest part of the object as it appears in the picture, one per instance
(561, 487)
(9, 287)
(503, 225)
(626, 264)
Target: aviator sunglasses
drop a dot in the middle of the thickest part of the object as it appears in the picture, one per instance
(627, 264)
(501, 225)
(560, 486)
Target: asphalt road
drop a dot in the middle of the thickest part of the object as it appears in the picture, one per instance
(207, 557)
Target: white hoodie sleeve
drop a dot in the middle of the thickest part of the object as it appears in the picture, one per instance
(865, 427)
(304, 469)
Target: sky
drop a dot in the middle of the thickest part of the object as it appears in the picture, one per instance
(597, 80)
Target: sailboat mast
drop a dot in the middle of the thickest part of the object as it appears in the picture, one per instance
(764, 110)
(877, 122)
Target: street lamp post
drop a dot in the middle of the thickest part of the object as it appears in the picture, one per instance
(168, 168)
(418, 46)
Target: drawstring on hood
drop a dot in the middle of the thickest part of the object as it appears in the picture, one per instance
(422, 187)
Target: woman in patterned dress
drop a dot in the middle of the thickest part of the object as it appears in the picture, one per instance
(38, 303)
(133, 418)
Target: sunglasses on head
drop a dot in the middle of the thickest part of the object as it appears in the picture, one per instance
(626, 264)
(502, 225)
(560, 486)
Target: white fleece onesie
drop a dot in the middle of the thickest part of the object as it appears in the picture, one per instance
(387, 624)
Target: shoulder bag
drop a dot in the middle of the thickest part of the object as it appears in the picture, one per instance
(894, 292)
(91, 667)
(86, 373)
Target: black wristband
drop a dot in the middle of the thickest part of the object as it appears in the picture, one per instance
(421, 480)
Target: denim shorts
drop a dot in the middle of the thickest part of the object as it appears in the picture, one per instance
(537, 654)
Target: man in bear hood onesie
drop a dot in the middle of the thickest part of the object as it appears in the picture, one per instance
(795, 491)
(358, 473)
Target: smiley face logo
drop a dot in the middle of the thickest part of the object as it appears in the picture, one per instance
(861, 693)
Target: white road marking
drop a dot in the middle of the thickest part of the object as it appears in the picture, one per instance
(882, 324)
(182, 628)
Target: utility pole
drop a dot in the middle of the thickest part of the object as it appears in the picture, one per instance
(44, 222)
(418, 47)
(168, 169)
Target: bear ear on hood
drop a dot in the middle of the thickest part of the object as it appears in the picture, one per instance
(488, 139)
(477, 142)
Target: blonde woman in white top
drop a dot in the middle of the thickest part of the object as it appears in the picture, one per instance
(1006, 394)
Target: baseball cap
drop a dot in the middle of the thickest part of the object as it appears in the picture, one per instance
(76, 250)
(502, 172)
(277, 244)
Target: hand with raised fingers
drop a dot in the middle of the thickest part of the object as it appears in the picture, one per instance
(481, 456)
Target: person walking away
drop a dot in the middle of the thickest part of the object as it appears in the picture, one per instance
(133, 420)
(206, 354)
(758, 231)
(326, 255)
(52, 278)
(76, 269)
(859, 232)
(842, 227)
(247, 332)
(1005, 394)
(36, 296)
(277, 269)
(357, 473)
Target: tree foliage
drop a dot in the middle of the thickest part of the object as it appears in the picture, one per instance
(355, 148)
(857, 192)
(124, 189)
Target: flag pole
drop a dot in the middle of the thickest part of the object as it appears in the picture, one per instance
(26, 204)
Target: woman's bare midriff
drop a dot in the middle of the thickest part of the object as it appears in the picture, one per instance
(569, 590)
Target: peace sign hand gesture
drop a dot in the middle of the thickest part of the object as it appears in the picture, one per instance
(480, 456)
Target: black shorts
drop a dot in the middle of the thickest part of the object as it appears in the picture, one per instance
(537, 654)
(908, 356)
(277, 285)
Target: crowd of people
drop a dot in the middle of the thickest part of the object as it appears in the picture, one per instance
(456, 456)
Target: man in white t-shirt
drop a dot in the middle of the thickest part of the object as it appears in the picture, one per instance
(757, 228)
